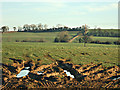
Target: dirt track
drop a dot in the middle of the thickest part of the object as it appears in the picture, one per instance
(86, 76)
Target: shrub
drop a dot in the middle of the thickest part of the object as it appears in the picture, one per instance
(117, 42)
(108, 42)
(42, 40)
(24, 41)
(62, 37)
(65, 38)
(17, 40)
(57, 40)
(98, 42)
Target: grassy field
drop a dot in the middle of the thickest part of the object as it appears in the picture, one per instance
(11, 37)
(112, 39)
(47, 36)
(108, 30)
(107, 54)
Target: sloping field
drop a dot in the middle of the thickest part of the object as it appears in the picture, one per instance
(47, 36)
(94, 66)
(12, 37)
(107, 54)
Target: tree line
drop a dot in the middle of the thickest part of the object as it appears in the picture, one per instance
(44, 28)
(103, 33)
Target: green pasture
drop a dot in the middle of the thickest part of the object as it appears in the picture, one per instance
(107, 54)
(12, 37)
(47, 36)
(112, 39)
(76, 52)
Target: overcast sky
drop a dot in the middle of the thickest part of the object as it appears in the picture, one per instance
(72, 14)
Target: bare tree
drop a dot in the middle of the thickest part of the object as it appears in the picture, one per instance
(58, 25)
(99, 31)
(84, 31)
(14, 28)
(33, 27)
(45, 26)
(19, 28)
(26, 27)
(40, 26)
(5, 28)
(65, 27)
(53, 27)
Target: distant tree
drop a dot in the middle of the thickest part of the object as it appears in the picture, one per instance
(53, 28)
(107, 34)
(5, 28)
(117, 42)
(99, 31)
(58, 25)
(14, 28)
(84, 31)
(57, 39)
(19, 28)
(62, 37)
(65, 27)
(85, 39)
(26, 27)
(45, 26)
(112, 34)
(40, 26)
(33, 27)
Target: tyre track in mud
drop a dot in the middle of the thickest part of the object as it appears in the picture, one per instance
(89, 75)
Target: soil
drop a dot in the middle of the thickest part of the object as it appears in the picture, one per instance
(86, 76)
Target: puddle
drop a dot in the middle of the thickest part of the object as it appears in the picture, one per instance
(116, 78)
(69, 74)
(27, 67)
(40, 72)
(23, 72)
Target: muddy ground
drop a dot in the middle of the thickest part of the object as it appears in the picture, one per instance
(86, 76)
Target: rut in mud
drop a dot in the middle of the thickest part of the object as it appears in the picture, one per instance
(53, 75)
